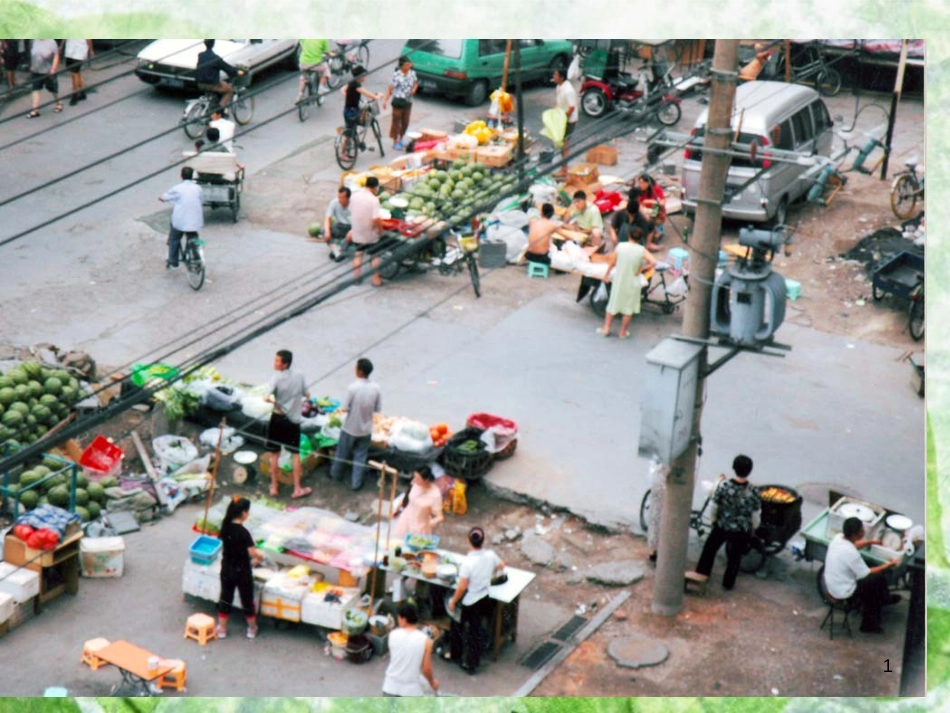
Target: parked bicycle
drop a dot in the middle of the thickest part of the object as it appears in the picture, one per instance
(698, 519)
(351, 140)
(311, 94)
(197, 114)
(191, 254)
(906, 189)
(809, 65)
(450, 253)
(342, 62)
(459, 254)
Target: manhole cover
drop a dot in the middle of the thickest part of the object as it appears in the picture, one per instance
(637, 651)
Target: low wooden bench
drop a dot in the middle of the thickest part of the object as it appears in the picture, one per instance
(695, 580)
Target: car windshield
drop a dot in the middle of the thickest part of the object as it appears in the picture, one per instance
(445, 48)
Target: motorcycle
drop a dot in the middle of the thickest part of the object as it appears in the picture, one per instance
(623, 91)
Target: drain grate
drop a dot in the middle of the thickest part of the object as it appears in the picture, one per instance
(569, 629)
(540, 655)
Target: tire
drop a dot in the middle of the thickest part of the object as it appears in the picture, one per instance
(242, 108)
(828, 82)
(195, 267)
(235, 204)
(389, 266)
(362, 54)
(336, 76)
(194, 122)
(904, 196)
(781, 213)
(594, 103)
(644, 510)
(473, 272)
(477, 93)
(916, 323)
(377, 132)
(303, 107)
(346, 151)
(669, 113)
(753, 560)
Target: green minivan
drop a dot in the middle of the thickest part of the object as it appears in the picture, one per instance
(472, 69)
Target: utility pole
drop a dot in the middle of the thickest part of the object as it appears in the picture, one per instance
(704, 254)
(519, 159)
(895, 100)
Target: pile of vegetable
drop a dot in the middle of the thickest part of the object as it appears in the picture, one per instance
(33, 399)
(48, 482)
(440, 434)
(470, 446)
(38, 539)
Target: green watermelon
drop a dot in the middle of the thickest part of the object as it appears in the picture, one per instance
(42, 414)
(53, 386)
(83, 513)
(32, 368)
(82, 480)
(95, 509)
(29, 499)
(18, 376)
(28, 478)
(384, 196)
(82, 497)
(6, 383)
(314, 230)
(96, 492)
(36, 388)
(110, 481)
(59, 496)
(12, 419)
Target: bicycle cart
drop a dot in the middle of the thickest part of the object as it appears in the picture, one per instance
(903, 275)
(781, 518)
(221, 179)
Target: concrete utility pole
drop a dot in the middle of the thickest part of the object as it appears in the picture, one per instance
(704, 254)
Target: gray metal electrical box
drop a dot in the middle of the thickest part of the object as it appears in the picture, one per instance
(666, 412)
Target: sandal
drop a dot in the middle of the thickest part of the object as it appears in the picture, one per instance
(33, 114)
(58, 108)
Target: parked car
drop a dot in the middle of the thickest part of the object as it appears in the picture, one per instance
(789, 117)
(472, 69)
(172, 63)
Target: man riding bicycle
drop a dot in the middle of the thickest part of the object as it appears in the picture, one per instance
(187, 213)
(313, 58)
(208, 75)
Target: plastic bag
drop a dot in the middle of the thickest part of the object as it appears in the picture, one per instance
(574, 70)
(459, 501)
(222, 397)
(555, 126)
(499, 432)
(199, 466)
(209, 437)
(601, 295)
(411, 437)
(173, 452)
(286, 460)
(255, 406)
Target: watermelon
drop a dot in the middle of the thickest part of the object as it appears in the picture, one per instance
(32, 369)
(384, 196)
(82, 497)
(29, 499)
(18, 376)
(110, 481)
(95, 509)
(96, 493)
(12, 419)
(59, 496)
(7, 395)
(83, 513)
(53, 386)
(28, 478)
(314, 230)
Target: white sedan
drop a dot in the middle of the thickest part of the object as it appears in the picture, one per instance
(172, 63)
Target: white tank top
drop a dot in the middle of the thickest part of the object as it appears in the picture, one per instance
(407, 648)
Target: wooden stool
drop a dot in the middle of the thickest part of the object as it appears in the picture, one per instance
(174, 678)
(697, 581)
(200, 627)
(89, 650)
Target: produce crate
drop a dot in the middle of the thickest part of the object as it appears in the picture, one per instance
(459, 153)
(494, 156)
(586, 173)
(468, 466)
(492, 254)
(205, 550)
(102, 458)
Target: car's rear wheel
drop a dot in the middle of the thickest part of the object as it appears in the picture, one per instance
(477, 93)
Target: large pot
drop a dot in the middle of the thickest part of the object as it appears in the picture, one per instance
(780, 520)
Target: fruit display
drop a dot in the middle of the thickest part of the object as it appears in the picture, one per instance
(440, 434)
(49, 482)
(33, 399)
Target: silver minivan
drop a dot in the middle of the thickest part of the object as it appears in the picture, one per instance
(772, 114)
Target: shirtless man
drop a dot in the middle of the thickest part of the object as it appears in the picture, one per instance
(540, 231)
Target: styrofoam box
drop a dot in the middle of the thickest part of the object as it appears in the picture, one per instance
(836, 521)
(21, 584)
(23, 612)
(6, 607)
(102, 556)
(315, 610)
(204, 582)
(282, 598)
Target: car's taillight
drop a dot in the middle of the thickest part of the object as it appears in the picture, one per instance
(765, 157)
(686, 153)
(455, 75)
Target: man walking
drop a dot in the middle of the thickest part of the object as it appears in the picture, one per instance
(567, 102)
(288, 389)
(367, 224)
(362, 401)
(735, 510)
(187, 212)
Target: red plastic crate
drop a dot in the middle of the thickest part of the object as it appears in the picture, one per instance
(102, 458)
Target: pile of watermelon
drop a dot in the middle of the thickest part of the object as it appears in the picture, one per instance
(33, 399)
(35, 487)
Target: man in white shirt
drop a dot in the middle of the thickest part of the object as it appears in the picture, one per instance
(847, 574)
(363, 399)
(225, 129)
(187, 213)
(288, 389)
(366, 229)
(567, 102)
(77, 52)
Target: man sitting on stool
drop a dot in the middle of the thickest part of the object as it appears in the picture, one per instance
(846, 573)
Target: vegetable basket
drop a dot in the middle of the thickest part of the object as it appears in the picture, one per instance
(463, 463)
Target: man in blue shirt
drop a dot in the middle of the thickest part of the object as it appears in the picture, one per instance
(187, 212)
(208, 74)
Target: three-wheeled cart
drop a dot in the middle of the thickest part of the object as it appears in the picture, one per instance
(903, 275)
(221, 179)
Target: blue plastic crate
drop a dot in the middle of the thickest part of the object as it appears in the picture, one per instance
(205, 550)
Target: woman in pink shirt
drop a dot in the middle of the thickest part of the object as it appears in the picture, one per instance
(421, 510)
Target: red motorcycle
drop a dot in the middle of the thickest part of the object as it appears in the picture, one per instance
(622, 91)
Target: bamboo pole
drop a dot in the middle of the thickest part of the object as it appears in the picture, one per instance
(214, 474)
(788, 61)
(504, 73)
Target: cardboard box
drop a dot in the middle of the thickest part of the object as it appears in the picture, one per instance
(586, 173)
(459, 153)
(603, 155)
(102, 556)
(21, 584)
(591, 189)
(433, 135)
(494, 156)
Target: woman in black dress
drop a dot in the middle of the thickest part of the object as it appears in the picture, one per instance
(238, 551)
(11, 60)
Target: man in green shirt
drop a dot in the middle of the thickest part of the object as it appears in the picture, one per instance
(585, 217)
(313, 59)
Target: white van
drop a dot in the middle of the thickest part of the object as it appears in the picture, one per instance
(773, 114)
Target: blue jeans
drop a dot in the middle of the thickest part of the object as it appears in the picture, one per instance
(174, 240)
(351, 448)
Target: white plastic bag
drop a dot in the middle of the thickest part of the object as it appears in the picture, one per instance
(254, 406)
(286, 460)
(172, 452)
(199, 466)
(601, 295)
(411, 437)
(677, 288)
(209, 437)
(574, 71)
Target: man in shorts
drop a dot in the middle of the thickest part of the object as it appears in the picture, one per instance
(367, 228)
(313, 54)
(44, 63)
(288, 389)
(567, 101)
(77, 52)
(208, 74)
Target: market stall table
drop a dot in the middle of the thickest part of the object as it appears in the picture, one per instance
(133, 663)
(58, 568)
(507, 597)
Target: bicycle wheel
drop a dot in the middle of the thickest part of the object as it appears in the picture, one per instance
(337, 70)
(195, 120)
(904, 196)
(828, 82)
(473, 272)
(389, 265)
(916, 323)
(362, 54)
(195, 265)
(753, 560)
(644, 510)
(243, 109)
(379, 137)
(235, 203)
(303, 106)
(346, 149)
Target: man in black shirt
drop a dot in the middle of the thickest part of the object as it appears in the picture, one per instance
(624, 221)
(208, 74)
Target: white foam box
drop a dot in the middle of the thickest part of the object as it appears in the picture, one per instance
(102, 556)
(20, 583)
(6, 607)
(282, 598)
(318, 612)
(23, 612)
(836, 521)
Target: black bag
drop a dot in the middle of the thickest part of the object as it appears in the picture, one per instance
(401, 103)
